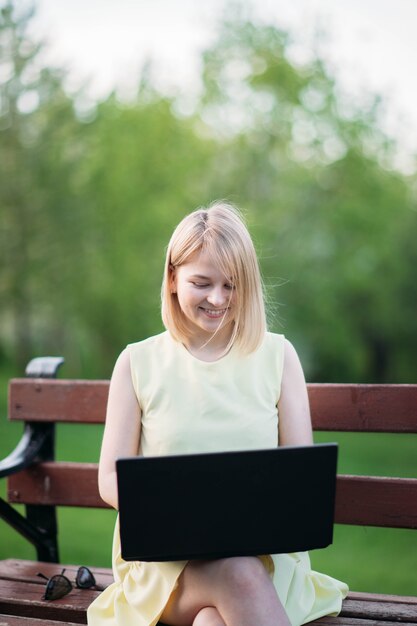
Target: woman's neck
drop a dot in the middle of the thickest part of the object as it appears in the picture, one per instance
(208, 349)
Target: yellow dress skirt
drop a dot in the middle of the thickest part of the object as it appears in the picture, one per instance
(141, 589)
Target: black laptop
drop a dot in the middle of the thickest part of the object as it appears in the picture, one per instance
(207, 506)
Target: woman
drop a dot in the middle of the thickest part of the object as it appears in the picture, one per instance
(215, 380)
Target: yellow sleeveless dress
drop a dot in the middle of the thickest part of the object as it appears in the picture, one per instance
(191, 406)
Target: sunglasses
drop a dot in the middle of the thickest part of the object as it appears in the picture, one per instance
(59, 585)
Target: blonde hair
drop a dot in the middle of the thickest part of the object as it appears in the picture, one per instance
(220, 231)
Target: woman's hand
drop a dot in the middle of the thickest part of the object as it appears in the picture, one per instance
(122, 430)
(294, 423)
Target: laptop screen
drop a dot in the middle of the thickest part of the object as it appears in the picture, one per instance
(227, 504)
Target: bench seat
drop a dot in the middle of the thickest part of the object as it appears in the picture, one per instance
(21, 593)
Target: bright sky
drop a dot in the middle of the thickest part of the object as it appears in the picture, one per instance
(371, 45)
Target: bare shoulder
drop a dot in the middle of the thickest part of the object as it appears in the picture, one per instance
(122, 364)
(121, 389)
(292, 363)
(123, 360)
(290, 351)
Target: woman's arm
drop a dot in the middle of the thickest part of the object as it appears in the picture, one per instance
(122, 430)
(293, 407)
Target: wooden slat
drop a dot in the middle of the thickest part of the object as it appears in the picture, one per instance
(341, 620)
(361, 500)
(65, 484)
(40, 400)
(365, 596)
(13, 620)
(21, 592)
(376, 501)
(363, 408)
(21, 570)
(383, 610)
(25, 599)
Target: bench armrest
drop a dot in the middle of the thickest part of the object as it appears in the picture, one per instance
(35, 439)
(44, 366)
(37, 442)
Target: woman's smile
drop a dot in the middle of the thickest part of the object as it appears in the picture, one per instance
(214, 313)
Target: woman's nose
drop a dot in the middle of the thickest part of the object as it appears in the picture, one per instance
(217, 296)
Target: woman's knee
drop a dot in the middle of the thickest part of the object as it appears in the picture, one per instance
(243, 575)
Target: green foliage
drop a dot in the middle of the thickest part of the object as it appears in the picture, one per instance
(141, 169)
(88, 203)
(335, 223)
(40, 218)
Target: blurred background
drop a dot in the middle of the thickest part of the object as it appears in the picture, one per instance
(118, 118)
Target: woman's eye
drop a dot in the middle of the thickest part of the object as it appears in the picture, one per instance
(229, 286)
(200, 285)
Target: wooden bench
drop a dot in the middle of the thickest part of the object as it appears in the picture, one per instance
(38, 481)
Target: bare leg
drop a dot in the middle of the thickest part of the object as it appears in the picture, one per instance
(208, 617)
(239, 589)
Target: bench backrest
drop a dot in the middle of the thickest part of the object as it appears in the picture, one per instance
(362, 500)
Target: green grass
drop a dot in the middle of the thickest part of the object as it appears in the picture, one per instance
(368, 559)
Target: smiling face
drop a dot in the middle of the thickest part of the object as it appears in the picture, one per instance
(206, 298)
(209, 251)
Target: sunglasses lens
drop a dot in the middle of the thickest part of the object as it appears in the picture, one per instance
(85, 578)
(58, 586)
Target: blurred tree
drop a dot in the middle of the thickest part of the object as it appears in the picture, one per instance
(145, 169)
(89, 197)
(38, 153)
(335, 220)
